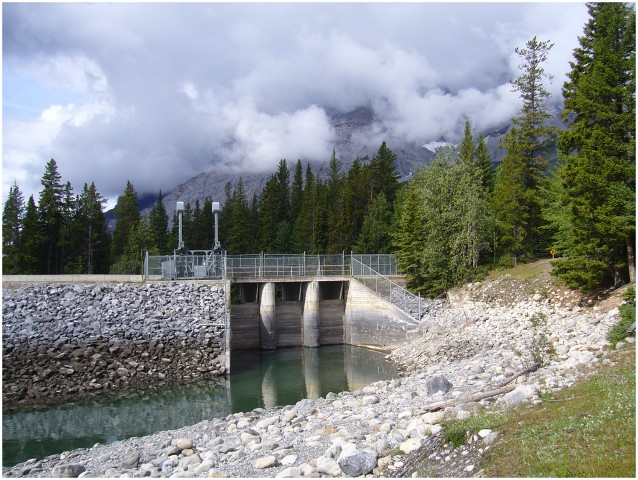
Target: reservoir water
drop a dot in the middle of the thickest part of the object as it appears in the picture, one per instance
(258, 379)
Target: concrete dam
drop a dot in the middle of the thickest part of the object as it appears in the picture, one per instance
(311, 311)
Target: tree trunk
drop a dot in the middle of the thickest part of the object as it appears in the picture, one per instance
(631, 259)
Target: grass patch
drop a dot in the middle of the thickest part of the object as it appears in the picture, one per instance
(455, 431)
(584, 431)
(523, 271)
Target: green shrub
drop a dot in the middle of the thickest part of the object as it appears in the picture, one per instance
(579, 272)
(627, 316)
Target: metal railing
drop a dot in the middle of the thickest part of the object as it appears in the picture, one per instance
(387, 289)
(199, 264)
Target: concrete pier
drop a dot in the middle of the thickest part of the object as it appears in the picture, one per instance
(267, 317)
(311, 316)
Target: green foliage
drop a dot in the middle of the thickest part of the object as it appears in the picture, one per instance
(12, 218)
(384, 177)
(456, 432)
(581, 272)
(31, 240)
(598, 148)
(516, 201)
(618, 331)
(159, 225)
(50, 217)
(442, 227)
(375, 234)
(128, 216)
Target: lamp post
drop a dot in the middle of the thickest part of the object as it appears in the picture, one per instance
(180, 211)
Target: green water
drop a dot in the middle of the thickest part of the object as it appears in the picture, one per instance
(258, 379)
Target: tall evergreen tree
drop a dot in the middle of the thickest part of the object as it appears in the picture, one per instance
(467, 150)
(50, 208)
(12, 217)
(384, 177)
(68, 245)
(296, 193)
(598, 149)
(239, 227)
(32, 241)
(195, 234)
(376, 236)
(484, 163)
(409, 239)
(158, 219)
(305, 226)
(517, 202)
(91, 231)
(334, 205)
(127, 214)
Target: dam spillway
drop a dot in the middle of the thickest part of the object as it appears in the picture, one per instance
(275, 313)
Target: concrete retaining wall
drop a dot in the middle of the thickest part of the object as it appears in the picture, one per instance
(370, 320)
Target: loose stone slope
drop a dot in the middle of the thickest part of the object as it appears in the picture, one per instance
(467, 348)
(77, 340)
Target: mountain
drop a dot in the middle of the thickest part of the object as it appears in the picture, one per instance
(352, 129)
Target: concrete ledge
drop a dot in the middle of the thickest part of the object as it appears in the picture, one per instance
(72, 278)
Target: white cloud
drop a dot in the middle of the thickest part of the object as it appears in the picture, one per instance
(156, 93)
(259, 138)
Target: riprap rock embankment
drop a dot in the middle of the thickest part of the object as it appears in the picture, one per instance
(77, 340)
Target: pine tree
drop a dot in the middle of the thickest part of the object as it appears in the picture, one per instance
(158, 219)
(384, 177)
(195, 240)
(30, 252)
(51, 219)
(128, 216)
(467, 150)
(305, 225)
(598, 149)
(12, 218)
(68, 245)
(375, 234)
(92, 231)
(517, 199)
(409, 239)
(296, 193)
(239, 227)
(334, 205)
(484, 163)
(269, 215)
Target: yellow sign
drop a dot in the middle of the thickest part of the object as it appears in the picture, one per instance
(552, 252)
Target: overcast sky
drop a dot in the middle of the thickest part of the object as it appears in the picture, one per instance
(157, 93)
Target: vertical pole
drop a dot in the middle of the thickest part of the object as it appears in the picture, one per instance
(180, 243)
(216, 229)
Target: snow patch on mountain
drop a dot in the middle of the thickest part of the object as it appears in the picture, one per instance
(436, 145)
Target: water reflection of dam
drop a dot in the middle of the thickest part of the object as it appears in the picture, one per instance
(259, 379)
(285, 376)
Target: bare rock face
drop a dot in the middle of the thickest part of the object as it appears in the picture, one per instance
(79, 340)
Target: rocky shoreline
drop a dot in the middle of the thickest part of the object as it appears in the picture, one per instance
(469, 349)
(65, 342)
